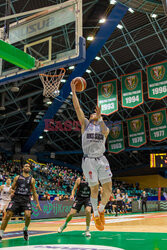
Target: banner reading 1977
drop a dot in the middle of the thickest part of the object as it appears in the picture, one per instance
(107, 97)
(157, 80)
(116, 138)
(158, 125)
(132, 90)
(136, 131)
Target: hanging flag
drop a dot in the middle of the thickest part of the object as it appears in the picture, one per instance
(116, 138)
(157, 80)
(107, 97)
(157, 125)
(132, 90)
(136, 131)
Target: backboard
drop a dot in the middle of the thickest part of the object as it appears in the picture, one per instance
(53, 35)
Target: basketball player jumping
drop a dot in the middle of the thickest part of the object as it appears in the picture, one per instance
(94, 164)
(5, 195)
(82, 198)
(22, 186)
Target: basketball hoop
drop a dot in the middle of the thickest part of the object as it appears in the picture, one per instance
(51, 82)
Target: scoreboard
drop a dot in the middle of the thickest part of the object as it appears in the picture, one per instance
(158, 160)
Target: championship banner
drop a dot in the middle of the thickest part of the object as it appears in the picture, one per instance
(157, 125)
(107, 97)
(132, 90)
(116, 138)
(136, 131)
(157, 81)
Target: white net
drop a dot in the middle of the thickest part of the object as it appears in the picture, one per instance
(51, 82)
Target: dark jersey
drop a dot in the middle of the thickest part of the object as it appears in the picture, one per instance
(23, 186)
(83, 190)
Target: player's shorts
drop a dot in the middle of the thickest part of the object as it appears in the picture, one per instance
(96, 169)
(19, 203)
(3, 204)
(79, 202)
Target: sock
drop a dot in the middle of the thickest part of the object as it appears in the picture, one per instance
(1, 232)
(101, 208)
(25, 228)
(94, 205)
(87, 228)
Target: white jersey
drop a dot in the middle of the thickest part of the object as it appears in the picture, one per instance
(93, 141)
(5, 194)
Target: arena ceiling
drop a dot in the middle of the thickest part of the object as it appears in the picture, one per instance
(141, 42)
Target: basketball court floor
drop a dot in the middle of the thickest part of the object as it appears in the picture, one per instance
(125, 232)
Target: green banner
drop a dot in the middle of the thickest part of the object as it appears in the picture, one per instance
(136, 131)
(107, 97)
(157, 80)
(157, 125)
(116, 138)
(132, 90)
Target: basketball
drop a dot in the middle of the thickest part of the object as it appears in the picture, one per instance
(80, 84)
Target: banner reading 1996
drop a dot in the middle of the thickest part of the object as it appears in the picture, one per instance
(107, 97)
(132, 90)
(158, 125)
(116, 138)
(157, 80)
(136, 131)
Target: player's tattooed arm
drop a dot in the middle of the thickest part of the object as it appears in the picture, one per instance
(80, 113)
(77, 183)
(105, 129)
(35, 195)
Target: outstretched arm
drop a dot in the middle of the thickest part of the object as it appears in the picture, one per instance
(80, 114)
(77, 183)
(105, 129)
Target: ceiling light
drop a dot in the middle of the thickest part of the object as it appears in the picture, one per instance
(71, 93)
(35, 120)
(41, 137)
(15, 89)
(41, 113)
(97, 58)
(72, 67)
(2, 108)
(119, 26)
(113, 1)
(39, 116)
(88, 71)
(63, 80)
(154, 15)
(102, 20)
(49, 102)
(90, 38)
(45, 130)
(131, 10)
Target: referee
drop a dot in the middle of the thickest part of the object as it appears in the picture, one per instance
(144, 199)
(119, 201)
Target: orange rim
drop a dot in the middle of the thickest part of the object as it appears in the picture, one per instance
(55, 75)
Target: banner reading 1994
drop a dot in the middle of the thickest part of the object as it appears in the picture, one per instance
(158, 125)
(132, 90)
(136, 131)
(116, 138)
(157, 80)
(107, 97)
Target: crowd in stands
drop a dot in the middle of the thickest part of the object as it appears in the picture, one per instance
(56, 182)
